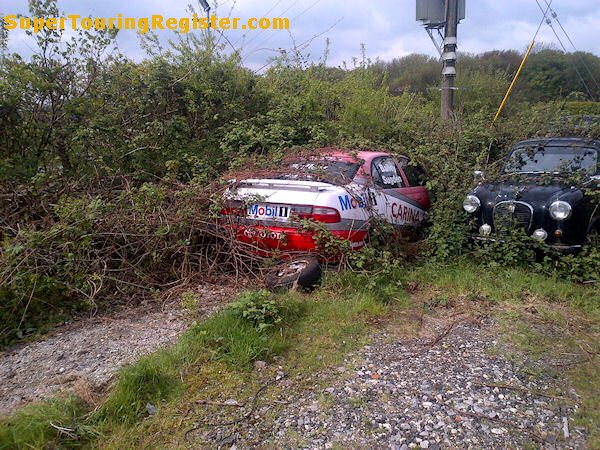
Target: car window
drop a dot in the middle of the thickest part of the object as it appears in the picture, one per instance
(385, 173)
(329, 171)
(414, 173)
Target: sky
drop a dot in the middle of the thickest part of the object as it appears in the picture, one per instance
(387, 28)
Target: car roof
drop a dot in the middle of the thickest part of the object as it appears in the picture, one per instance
(561, 142)
(353, 155)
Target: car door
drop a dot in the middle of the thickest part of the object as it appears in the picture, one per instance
(414, 176)
(396, 206)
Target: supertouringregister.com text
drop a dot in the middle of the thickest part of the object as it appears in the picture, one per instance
(142, 25)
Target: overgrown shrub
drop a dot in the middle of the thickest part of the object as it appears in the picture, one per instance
(95, 244)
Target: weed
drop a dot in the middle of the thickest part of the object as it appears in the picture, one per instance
(56, 422)
(259, 308)
(152, 379)
(357, 402)
(584, 378)
(189, 302)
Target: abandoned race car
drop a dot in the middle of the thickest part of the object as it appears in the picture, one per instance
(336, 190)
(548, 188)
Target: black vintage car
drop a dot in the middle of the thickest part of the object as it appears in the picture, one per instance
(549, 188)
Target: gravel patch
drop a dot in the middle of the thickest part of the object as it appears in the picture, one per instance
(446, 392)
(84, 356)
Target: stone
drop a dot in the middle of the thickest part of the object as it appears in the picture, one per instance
(260, 365)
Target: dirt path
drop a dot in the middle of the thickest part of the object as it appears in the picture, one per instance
(85, 355)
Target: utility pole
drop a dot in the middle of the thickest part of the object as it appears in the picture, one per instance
(438, 16)
(449, 59)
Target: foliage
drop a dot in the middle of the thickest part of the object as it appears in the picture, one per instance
(259, 308)
(96, 243)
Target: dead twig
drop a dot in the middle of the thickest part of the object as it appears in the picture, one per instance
(442, 335)
(213, 403)
(63, 430)
(246, 416)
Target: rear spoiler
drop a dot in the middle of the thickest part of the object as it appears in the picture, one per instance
(283, 185)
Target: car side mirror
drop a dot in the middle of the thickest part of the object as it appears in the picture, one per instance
(479, 175)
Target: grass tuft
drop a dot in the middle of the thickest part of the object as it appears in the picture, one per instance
(150, 380)
(52, 423)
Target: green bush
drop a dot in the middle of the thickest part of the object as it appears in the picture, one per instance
(259, 308)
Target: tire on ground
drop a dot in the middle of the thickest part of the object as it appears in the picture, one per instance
(305, 272)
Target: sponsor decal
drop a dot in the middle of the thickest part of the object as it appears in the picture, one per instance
(252, 233)
(373, 198)
(348, 202)
(357, 244)
(406, 213)
(392, 180)
(269, 211)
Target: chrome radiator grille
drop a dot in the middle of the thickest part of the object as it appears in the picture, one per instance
(512, 214)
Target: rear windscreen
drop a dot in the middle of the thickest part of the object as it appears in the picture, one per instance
(335, 172)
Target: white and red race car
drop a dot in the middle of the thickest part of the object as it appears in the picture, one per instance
(340, 190)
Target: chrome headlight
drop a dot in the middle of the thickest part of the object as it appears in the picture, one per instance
(485, 229)
(560, 210)
(471, 203)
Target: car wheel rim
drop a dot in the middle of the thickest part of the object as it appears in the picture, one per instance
(292, 268)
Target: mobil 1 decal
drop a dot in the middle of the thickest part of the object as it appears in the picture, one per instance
(353, 201)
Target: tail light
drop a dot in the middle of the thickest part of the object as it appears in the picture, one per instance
(317, 213)
(326, 215)
(233, 208)
(301, 212)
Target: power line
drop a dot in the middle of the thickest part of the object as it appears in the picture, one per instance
(222, 35)
(306, 10)
(518, 72)
(304, 44)
(587, 68)
(291, 21)
(280, 15)
(264, 15)
(549, 22)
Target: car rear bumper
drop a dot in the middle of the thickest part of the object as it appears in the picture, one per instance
(288, 239)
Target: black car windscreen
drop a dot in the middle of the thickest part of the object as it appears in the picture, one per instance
(552, 159)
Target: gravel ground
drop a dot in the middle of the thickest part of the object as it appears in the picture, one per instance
(83, 356)
(445, 391)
